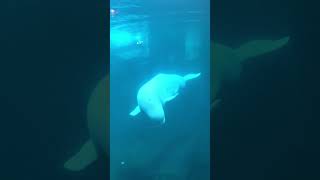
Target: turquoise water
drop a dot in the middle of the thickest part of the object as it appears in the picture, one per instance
(148, 38)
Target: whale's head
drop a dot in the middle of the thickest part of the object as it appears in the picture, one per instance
(152, 106)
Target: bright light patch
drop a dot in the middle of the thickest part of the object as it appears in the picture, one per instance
(139, 42)
(120, 38)
(113, 12)
(128, 40)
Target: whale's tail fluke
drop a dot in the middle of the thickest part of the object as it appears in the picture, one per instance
(191, 76)
(259, 47)
(83, 158)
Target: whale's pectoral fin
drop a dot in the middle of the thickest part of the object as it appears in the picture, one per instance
(135, 111)
(191, 76)
(164, 120)
(83, 158)
(259, 47)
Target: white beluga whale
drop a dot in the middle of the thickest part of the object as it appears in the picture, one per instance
(225, 65)
(153, 95)
(226, 62)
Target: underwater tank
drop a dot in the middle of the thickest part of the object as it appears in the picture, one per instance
(159, 90)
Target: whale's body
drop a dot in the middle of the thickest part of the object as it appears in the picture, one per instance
(225, 65)
(153, 95)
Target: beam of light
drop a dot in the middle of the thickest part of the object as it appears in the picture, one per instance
(126, 36)
(120, 38)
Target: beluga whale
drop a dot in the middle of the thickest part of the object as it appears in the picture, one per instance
(153, 95)
(226, 65)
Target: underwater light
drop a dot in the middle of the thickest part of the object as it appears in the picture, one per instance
(139, 42)
(120, 38)
(113, 12)
(124, 37)
(128, 39)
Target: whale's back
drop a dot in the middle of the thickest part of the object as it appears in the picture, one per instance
(167, 86)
